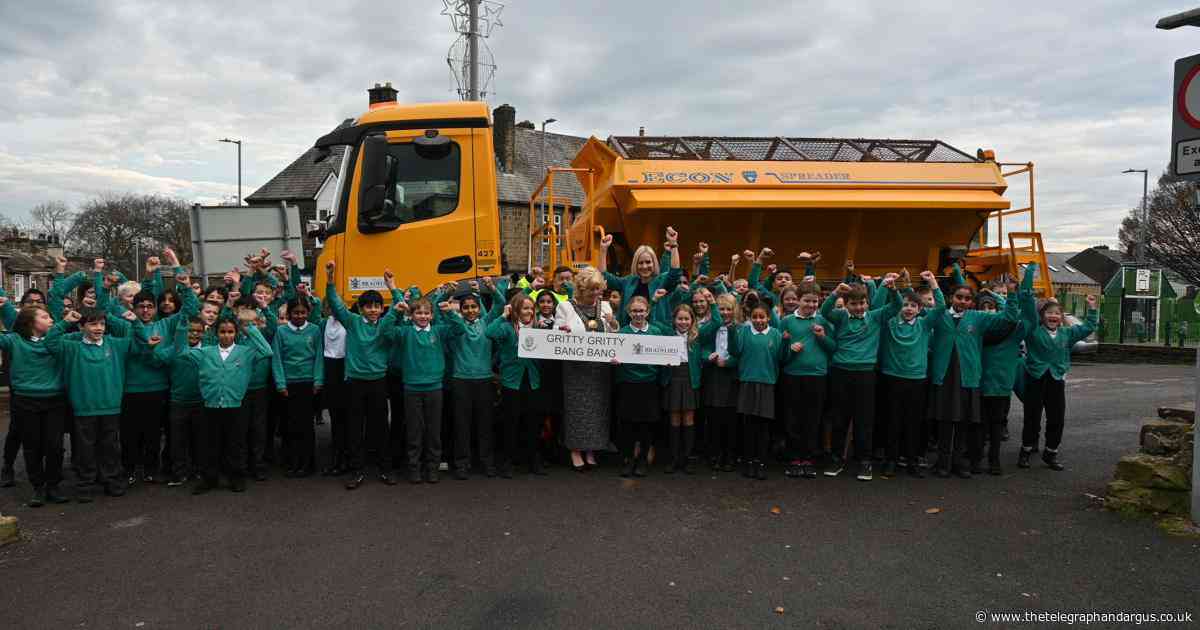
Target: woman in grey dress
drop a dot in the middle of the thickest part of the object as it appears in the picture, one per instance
(586, 386)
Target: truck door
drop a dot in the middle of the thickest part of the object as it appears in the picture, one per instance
(413, 209)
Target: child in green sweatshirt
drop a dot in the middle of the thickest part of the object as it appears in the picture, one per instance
(38, 405)
(144, 408)
(638, 391)
(760, 350)
(471, 380)
(94, 365)
(368, 341)
(1047, 361)
(681, 383)
(905, 366)
(810, 338)
(720, 386)
(520, 379)
(224, 372)
(187, 406)
(298, 365)
(857, 333)
(423, 345)
(1002, 362)
(954, 372)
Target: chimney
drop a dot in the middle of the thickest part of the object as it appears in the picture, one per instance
(504, 136)
(382, 95)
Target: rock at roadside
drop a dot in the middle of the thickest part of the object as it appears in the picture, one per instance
(1153, 471)
(1124, 496)
(9, 532)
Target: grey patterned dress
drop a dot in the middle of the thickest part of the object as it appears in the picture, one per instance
(586, 397)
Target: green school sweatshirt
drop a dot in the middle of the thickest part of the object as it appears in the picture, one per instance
(298, 355)
(34, 371)
(423, 354)
(857, 338)
(814, 359)
(1046, 352)
(1002, 359)
(470, 347)
(223, 383)
(628, 287)
(904, 347)
(395, 356)
(185, 379)
(94, 373)
(144, 371)
(759, 354)
(367, 344)
(513, 368)
(260, 374)
(695, 352)
(964, 335)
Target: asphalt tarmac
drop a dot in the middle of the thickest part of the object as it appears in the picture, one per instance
(595, 551)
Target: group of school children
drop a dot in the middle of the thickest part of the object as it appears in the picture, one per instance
(186, 384)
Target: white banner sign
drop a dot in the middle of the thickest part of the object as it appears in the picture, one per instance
(535, 343)
(1143, 280)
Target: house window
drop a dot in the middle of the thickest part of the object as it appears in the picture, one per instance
(19, 286)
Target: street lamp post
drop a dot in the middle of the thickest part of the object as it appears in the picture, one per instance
(1144, 219)
(239, 146)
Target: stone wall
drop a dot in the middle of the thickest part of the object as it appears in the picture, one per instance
(1158, 478)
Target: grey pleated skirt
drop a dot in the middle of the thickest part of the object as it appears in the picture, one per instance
(950, 401)
(678, 394)
(756, 399)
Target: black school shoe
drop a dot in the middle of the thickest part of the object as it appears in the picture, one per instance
(836, 466)
(1023, 458)
(8, 478)
(386, 479)
(201, 487)
(414, 476)
(865, 471)
(238, 484)
(888, 470)
(760, 471)
(38, 499)
(640, 468)
(1050, 458)
(53, 496)
(627, 468)
(995, 469)
(916, 472)
(461, 474)
(356, 480)
(431, 475)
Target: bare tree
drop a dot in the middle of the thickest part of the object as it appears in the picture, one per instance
(1173, 230)
(52, 218)
(126, 229)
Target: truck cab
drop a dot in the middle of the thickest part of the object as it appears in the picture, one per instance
(416, 194)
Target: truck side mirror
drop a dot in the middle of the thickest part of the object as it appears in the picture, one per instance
(373, 202)
(315, 229)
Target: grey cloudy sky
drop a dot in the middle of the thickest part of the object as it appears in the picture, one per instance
(119, 96)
